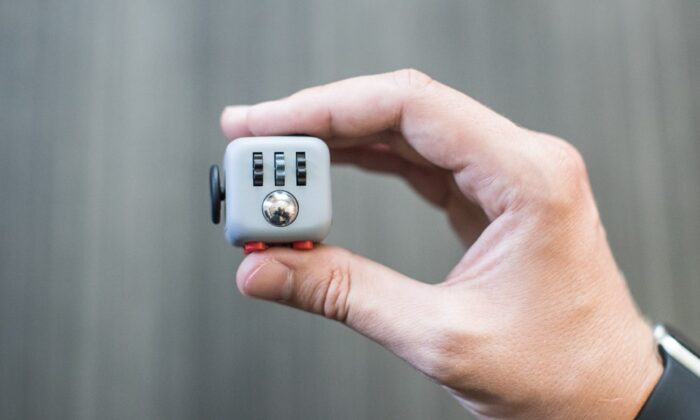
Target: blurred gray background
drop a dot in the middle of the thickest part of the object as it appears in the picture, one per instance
(117, 295)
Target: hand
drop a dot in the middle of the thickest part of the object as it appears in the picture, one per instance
(536, 320)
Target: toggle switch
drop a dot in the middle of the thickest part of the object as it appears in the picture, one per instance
(301, 169)
(257, 169)
(279, 169)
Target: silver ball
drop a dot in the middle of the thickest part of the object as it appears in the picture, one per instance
(280, 208)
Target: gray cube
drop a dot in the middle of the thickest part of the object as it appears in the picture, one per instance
(277, 190)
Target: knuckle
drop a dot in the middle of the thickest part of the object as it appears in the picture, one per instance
(331, 296)
(570, 162)
(410, 78)
(564, 182)
(570, 175)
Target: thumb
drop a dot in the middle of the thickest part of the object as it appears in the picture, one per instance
(372, 299)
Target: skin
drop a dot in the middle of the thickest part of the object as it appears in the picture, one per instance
(536, 320)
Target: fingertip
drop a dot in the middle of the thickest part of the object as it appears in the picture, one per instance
(287, 256)
(247, 269)
(263, 278)
(273, 118)
(233, 121)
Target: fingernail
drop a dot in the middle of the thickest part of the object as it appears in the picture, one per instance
(270, 281)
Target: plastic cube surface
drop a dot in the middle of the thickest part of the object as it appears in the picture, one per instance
(262, 175)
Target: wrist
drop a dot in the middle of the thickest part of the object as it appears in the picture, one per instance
(629, 369)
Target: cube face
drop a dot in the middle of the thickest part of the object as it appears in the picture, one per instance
(263, 174)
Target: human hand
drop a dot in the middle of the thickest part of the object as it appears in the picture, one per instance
(535, 321)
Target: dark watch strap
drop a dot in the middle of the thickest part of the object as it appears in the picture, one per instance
(676, 395)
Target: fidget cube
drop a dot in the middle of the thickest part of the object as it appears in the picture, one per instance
(277, 191)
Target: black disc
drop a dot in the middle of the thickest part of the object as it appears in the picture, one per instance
(216, 192)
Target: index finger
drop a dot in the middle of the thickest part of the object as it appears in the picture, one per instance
(442, 124)
(450, 129)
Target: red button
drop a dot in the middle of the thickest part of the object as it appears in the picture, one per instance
(249, 247)
(303, 245)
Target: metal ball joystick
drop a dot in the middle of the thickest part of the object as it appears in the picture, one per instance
(280, 208)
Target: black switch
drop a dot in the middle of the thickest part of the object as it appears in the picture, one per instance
(301, 169)
(279, 169)
(257, 169)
